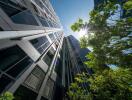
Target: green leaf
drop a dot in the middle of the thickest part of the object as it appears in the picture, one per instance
(7, 96)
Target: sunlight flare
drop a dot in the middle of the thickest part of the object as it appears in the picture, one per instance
(82, 32)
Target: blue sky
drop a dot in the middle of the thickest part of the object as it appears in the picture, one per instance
(70, 10)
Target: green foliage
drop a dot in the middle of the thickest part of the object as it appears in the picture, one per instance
(110, 85)
(75, 91)
(83, 42)
(108, 43)
(7, 96)
(128, 5)
(104, 50)
(77, 25)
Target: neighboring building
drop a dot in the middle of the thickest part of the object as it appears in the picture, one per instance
(31, 38)
(81, 52)
(73, 62)
(69, 65)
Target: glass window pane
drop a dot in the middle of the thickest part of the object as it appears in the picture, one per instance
(24, 93)
(4, 82)
(10, 56)
(48, 90)
(49, 57)
(33, 82)
(35, 79)
(43, 21)
(38, 72)
(10, 7)
(46, 45)
(40, 43)
(24, 17)
(52, 37)
(17, 69)
(40, 50)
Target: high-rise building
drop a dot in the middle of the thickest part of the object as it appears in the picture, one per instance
(31, 38)
(81, 52)
(72, 61)
(36, 61)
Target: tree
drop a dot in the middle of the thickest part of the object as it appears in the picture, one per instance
(109, 43)
(110, 85)
(7, 96)
(77, 25)
(104, 49)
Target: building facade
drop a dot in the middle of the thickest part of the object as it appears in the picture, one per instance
(72, 61)
(31, 38)
(36, 61)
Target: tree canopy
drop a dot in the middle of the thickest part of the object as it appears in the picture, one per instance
(112, 44)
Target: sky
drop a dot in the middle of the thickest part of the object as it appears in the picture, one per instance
(70, 10)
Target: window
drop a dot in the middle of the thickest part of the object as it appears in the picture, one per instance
(24, 17)
(48, 90)
(58, 67)
(56, 44)
(43, 21)
(40, 43)
(1, 29)
(4, 82)
(52, 37)
(10, 7)
(14, 61)
(35, 8)
(18, 13)
(18, 68)
(10, 56)
(35, 79)
(24, 93)
(50, 23)
(39, 3)
(56, 34)
(49, 56)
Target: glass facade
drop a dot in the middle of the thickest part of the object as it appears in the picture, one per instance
(52, 36)
(4, 82)
(40, 43)
(18, 68)
(35, 79)
(29, 25)
(58, 68)
(43, 21)
(13, 62)
(49, 56)
(10, 7)
(20, 14)
(24, 17)
(47, 93)
(24, 93)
